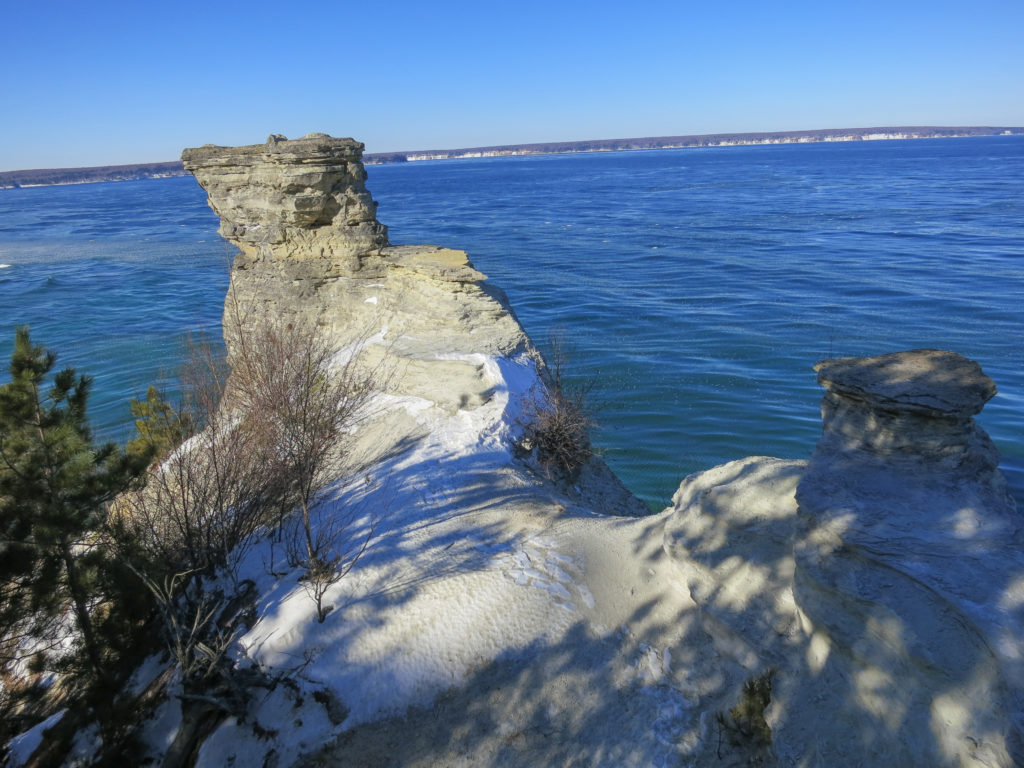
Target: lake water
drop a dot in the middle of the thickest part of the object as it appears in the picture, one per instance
(698, 286)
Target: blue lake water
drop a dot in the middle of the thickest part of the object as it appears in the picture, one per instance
(698, 286)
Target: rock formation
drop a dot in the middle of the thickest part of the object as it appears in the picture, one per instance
(312, 250)
(301, 197)
(502, 616)
(479, 562)
(910, 560)
(888, 595)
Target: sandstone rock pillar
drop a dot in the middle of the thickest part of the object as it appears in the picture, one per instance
(314, 255)
(909, 567)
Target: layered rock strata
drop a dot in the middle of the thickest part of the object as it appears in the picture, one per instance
(297, 198)
(888, 592)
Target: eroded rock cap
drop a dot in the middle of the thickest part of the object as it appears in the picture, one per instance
(918, 380)
(291, 198)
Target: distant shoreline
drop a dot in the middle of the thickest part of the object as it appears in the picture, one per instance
(51, 177)
(65, 176)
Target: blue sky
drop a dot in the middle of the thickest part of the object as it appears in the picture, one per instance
(101, 83)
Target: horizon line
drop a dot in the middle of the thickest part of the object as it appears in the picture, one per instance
(595, 145)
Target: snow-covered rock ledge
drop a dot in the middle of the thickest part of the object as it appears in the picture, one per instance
(879, 581)
(502, 618)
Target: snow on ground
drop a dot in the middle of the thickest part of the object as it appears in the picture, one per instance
(484, 588)
(469, 562)
(146, 674)
(431, 597)
(22, 746)
(444, 587)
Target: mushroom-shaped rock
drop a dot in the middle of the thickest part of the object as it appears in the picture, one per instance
(916, 406)
(314, 254)
(909, 565)
(291, 199)
(888, 597)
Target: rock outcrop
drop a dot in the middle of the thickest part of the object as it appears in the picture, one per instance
(910, 561)
(478, 562)
(888, 592)
(312, 251)
(912, 407)
(302, 197)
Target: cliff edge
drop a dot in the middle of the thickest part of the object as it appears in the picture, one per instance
(504, 617)
(864, 607)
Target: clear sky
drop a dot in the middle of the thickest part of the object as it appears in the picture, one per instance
(104, 83)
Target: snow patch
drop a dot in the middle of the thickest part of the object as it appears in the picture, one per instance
(162, 729)
(146, 674)
(22, 746)
(344, 356)
(84, 746)
(288, 718)
(538, 564)
(653, 665)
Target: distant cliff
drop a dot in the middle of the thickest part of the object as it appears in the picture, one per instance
(47, 177)
(702, 140)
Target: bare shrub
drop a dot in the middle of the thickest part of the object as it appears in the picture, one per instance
(265, 441)
(336, 548)
(203, 502)
(196, 643)
(557, 421)
(304, 398)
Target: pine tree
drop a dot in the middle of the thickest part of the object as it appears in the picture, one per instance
(55, 485)
(160, 427)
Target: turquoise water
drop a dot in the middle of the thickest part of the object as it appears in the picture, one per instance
(698, 286)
